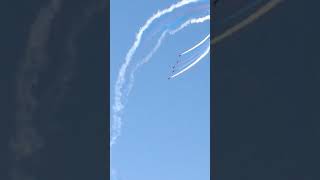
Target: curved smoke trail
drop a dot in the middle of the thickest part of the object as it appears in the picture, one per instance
(118, 104)
(145, 60)
(197, 45)
(189, 22)
(206, 52)
(120, 82)
(184, 25)
(159, 42)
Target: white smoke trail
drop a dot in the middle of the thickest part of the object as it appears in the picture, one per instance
(145, 60)
(118, 104)
(195, 46)
(184, 62)
(148, 57)
(192, 64)
(172, 32)
(189, 22)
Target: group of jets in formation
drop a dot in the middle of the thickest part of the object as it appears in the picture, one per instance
(174, 66)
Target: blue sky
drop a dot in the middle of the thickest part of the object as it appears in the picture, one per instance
(166, 123)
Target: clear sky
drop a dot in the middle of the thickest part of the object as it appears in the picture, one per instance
(166, 123)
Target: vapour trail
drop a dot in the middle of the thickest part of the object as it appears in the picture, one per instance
(190, 21)
(195, 46)
(146, 60)
(118, 104)
(148, 57)
(182, 63)
(192, 64)
(179, 15)
(261, 11)
(159, 42)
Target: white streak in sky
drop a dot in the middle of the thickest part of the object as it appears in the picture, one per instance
(192, 64)
(146, 60)
(118, 104)
(189, 22)
(159, 42)
(195, 46)
(149, 56)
